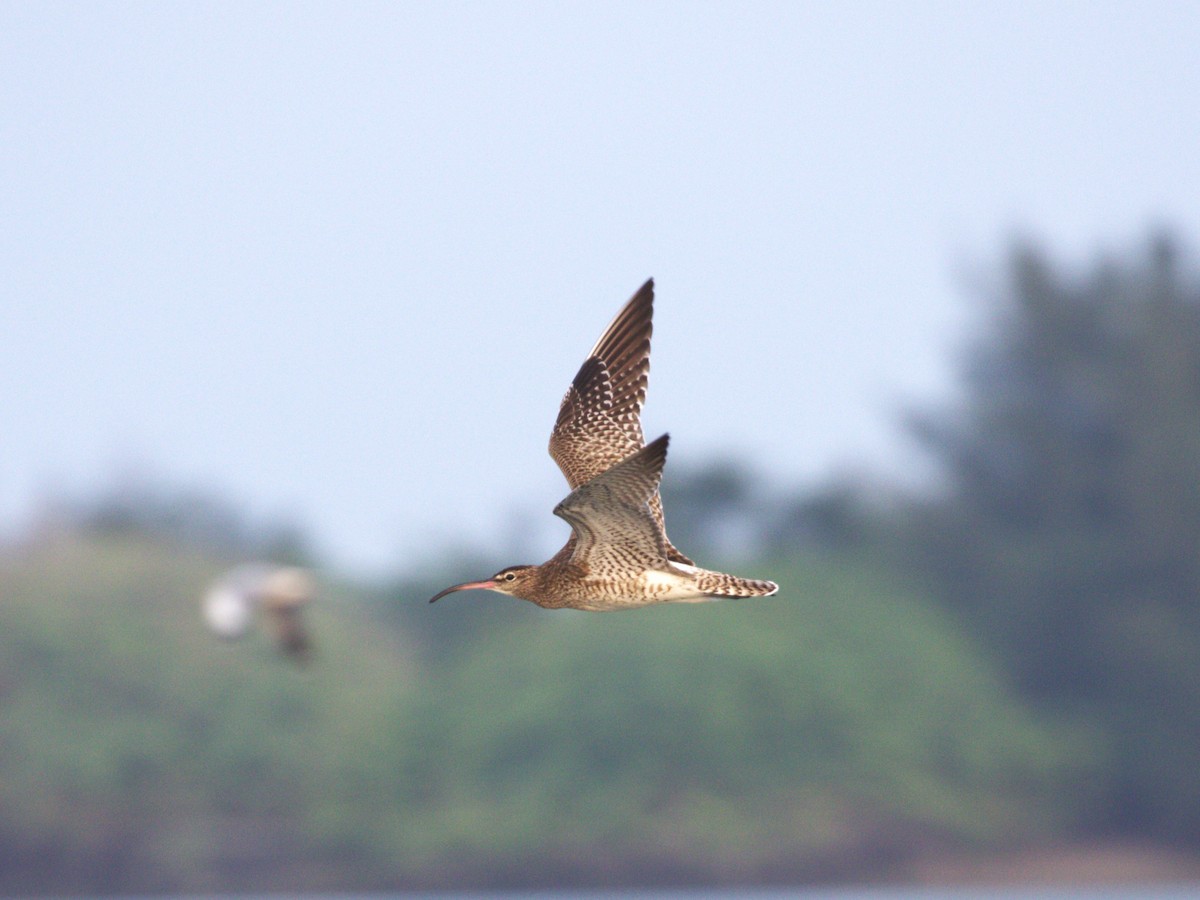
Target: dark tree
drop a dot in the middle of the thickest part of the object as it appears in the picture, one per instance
(1068, 532)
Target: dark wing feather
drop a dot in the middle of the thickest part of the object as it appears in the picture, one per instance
(625, 349)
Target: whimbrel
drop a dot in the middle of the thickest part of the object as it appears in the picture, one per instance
(618, 555)
(281, 592)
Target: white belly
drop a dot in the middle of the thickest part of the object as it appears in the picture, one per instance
(676, 585)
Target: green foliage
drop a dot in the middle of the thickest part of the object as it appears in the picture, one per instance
(138, 753)
(1068, 535)
(838, 726)
(826, 721)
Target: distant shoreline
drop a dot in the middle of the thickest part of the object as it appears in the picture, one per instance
(1078, 865)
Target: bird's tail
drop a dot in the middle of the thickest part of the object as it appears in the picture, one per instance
(718, 584)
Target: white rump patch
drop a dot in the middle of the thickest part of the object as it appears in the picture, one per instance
(680, 585)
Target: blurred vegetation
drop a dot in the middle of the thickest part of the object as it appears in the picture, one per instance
(137, 752)
(836, 727)
(1067, 531)
(1007, 657)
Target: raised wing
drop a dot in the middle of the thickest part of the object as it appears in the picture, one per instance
(615, 531)
(599, 421)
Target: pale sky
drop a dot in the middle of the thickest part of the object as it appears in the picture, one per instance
(338, 262)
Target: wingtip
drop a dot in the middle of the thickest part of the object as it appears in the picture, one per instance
(643, 296)
(654, 454)
(646, 291)
(658, 445)
(631, 325)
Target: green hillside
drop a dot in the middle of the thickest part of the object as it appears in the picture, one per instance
(839, 727)
(137, 752)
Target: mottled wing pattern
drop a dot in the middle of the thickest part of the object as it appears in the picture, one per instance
(615, 533)
(625, 349)
(599, 420)
(587, 438)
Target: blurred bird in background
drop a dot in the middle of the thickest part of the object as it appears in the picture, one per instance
(280, 592)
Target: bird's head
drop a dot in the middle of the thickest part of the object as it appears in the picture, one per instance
(287, 588)
(511, 580)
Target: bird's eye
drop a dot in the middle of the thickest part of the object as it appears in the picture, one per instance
(509, 576)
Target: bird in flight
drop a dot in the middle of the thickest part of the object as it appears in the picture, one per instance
(618, 555)
(281, 592)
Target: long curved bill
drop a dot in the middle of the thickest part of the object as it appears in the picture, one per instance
(465, 586)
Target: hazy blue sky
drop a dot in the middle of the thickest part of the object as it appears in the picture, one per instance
(340, 261)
